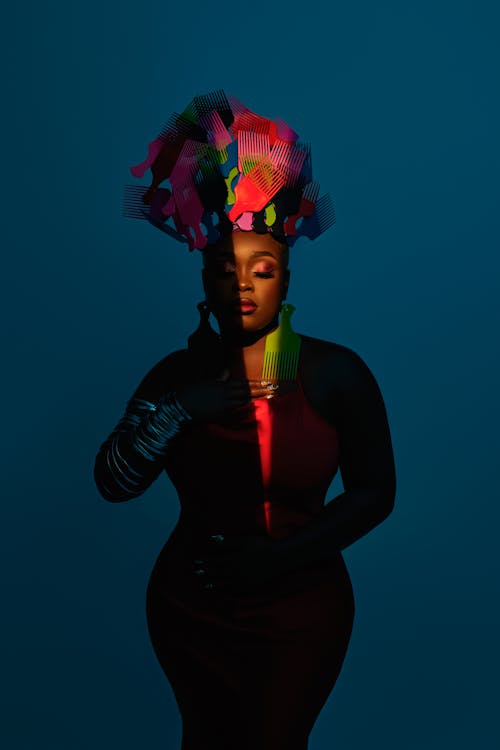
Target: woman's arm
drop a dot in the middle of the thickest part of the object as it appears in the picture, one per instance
(131, 458)
(366, 463)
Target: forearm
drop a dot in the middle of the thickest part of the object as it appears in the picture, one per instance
(132, 457)
(342, 521)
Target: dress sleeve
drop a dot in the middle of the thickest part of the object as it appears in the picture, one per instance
(132, 456)
(366, 459)
(366, 465)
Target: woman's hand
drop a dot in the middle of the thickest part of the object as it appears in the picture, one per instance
(207, 399)
(233, 563)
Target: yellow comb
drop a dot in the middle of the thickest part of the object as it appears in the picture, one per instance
(281, 356)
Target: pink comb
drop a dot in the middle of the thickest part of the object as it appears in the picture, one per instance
(154, 149)
(281, 129)
(286, 156)
(185, 200)
(185, 207)
(172, 128)
(237, 107)
(218, 134)
(245, 221)
(252, 147)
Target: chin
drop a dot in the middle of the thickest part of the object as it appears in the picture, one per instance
(245, 323)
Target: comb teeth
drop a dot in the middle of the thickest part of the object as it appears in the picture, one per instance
(267, 179)
(134, 213)
(219, 102)
(288, 158)
(321, 220)
(252, 148)
(170, 130)
(280, 365)
(182, 125)
(191, 154)
(305, 175)
(311, 192)
(325, 210)
(284, 130)
(279, 168)
(237, 107)
(209, 162)
(217, 133)
(133, 206)
(202, 104)
(250, 121)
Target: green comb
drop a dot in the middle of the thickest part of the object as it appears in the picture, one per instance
(281, 356)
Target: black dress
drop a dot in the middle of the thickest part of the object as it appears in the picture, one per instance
(251, 669)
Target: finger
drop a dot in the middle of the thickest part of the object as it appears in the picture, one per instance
(216, 583)
(237, 392)
(236, 388)
(263, 393)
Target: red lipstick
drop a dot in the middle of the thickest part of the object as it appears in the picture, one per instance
(244, 305)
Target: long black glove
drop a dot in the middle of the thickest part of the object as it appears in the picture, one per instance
(366, 462)
(131, 457)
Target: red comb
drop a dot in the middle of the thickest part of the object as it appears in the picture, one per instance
(306, 208)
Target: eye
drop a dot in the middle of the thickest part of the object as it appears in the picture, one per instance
(264, 270)
(225, 268)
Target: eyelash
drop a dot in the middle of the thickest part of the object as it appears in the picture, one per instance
(260, 274)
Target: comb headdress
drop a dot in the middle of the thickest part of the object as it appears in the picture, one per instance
(219, 167)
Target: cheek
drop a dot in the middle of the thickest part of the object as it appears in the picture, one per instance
(272, 293)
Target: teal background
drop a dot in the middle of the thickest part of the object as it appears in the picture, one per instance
(400, 102)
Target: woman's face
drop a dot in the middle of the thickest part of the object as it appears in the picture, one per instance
(245, 266)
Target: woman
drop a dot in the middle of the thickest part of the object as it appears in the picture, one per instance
(250, 606)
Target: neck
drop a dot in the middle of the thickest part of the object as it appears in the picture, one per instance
(237, 339)
(242, 345)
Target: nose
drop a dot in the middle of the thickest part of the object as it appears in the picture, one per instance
(242, 282)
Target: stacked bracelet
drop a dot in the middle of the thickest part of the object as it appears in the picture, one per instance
(153, 435)
(144, 432)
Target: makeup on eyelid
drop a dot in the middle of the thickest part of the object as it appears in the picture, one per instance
(262, 268)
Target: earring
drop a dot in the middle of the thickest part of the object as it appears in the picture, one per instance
(205, 343)
(281, 355)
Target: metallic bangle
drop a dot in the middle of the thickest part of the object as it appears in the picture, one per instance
(144, 432)
(152, 436)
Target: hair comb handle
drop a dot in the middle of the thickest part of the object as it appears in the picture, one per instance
(280, 129)
(249, 197)
(306, 208)
(154, 149)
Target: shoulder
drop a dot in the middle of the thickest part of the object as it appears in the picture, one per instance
(336, 379)
(163, 376)
(341, 365)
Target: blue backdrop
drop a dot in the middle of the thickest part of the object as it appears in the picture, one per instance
(400, 102)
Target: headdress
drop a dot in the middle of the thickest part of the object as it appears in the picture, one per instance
(218, 167)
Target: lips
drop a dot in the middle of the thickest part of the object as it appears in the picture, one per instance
(245, 304)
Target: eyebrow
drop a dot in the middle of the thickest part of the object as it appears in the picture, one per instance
(254, 254)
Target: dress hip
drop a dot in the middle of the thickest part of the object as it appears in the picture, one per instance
(250, 671)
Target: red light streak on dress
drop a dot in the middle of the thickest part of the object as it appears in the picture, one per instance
(251, 669)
